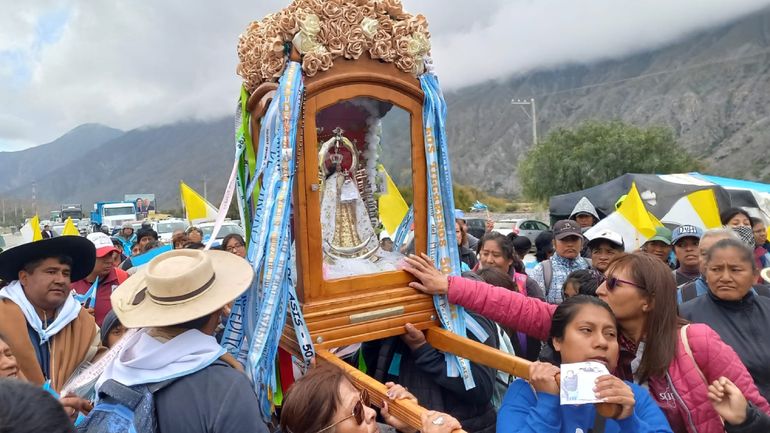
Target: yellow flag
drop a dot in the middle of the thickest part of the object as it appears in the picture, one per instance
(197, 209)
(393, 207)
(69, 228)
(634, 212)
(705, 204)
(31, 230)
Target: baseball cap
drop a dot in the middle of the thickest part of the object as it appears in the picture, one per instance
(662, 234)
(384, 235)
(686, 231)
(103, 243)
(459, 215)
(608, 235)
(566, 228)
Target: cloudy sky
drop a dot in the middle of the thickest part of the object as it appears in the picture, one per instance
(133, 63)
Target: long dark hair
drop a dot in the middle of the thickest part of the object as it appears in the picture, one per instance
(543, 245)
(728, 214)
(566, 312)
(662, 324)
(506, 247)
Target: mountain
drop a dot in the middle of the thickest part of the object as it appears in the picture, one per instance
(712, 88)
(145, 160)
(21, 168)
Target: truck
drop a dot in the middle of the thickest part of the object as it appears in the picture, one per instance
(74, 211)
(112, 214)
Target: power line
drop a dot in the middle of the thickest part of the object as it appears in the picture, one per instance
(655, 74)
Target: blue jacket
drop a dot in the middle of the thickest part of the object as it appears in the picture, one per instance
(523, 412)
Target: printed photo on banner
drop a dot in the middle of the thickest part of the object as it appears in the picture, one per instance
(145, 203)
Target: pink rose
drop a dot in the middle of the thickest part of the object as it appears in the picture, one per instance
(382, 50)
(406, 64)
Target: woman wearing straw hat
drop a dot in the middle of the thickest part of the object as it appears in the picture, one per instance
(178, 298)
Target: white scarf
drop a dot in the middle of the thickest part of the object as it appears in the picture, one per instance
(145, 359)
(67, 312)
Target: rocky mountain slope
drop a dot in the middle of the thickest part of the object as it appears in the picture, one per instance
(713, 89)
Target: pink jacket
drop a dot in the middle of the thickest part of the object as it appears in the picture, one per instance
(681, 394)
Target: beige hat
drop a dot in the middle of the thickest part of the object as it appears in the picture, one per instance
(179, 286)
(765, 274)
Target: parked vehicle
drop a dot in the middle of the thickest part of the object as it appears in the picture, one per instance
(167, 227)
(476, 226)
(524, 227)
(74, 211)
(112, 214)
(227, 228)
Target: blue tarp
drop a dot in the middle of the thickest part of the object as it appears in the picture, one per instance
(726, 182)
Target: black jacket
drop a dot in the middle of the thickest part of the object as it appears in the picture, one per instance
(217, 399)
(743, 325)
(424, 373)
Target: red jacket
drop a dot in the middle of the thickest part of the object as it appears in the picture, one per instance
(103, 292)
(686, 405)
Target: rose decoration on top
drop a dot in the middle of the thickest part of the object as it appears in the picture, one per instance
(324, 30)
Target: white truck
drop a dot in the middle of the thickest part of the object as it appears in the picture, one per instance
(112, 214)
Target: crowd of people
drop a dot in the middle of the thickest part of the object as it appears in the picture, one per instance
(681, 324)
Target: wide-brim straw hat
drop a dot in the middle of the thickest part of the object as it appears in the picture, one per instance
(179, 286)
(765, 274)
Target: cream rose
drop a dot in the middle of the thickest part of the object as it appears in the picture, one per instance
(310, 24)
(369, 27)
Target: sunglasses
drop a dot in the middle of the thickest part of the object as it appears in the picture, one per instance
(358, 411)
(612, 282)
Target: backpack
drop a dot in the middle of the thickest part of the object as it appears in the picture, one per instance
(124, 409)
(127, 409)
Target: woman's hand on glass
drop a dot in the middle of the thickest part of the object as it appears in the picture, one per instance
(613, 390)
(432, 281)
(728, 401)
(396, 392)
(542, 377)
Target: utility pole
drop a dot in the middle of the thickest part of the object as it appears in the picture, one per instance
(3, 204)
(205, 194)
(532, 117)
(34, 198)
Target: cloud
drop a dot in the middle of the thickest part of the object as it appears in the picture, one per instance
(525, 35)
(132, 63)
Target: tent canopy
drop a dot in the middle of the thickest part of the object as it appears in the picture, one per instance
(660, 192)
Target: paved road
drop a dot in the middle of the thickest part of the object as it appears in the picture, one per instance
(12, 240)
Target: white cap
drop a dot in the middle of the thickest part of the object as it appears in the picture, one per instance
(102, 242)
(609, 235)
(384, 235)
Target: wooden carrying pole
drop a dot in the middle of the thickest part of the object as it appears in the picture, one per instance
(405, 410)
(446, 341)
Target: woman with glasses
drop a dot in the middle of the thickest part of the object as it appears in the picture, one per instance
(675, 362)
(234, 243)
(325, 401)
(583, 329)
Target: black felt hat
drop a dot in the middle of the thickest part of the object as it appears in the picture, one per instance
(79, 249)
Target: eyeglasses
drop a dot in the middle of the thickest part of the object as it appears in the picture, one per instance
(612, 282)
(358, 411)
(235, 248)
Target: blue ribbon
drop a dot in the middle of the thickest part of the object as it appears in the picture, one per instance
(260, 313)
(88, 298)
(441, 246)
